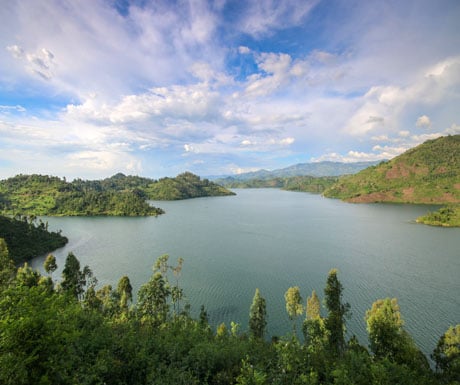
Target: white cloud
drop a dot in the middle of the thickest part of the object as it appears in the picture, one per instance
(423, 121)
(263, 17)
(243, 50)
(454, 129)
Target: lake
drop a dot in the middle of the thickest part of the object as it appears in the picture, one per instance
(271, 240)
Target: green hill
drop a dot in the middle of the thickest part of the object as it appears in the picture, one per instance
(428, 173)
(184, 186)
(119, 195)
(27, 238)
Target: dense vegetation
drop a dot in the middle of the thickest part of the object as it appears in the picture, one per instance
(28, 237)
(184, 186)
(428, 173)
(119, 195)
(296, 183)
(446, 216)
(72, 332)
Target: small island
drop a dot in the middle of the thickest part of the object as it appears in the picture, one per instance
(446, 217)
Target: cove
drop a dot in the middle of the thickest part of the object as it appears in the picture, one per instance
(273, 239)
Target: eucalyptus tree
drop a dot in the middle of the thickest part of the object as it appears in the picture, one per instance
(294, 305)
(257, 316)
(337, 313)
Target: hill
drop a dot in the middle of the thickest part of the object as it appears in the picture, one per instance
(316, 169)
(428, 173)
(27, 238)
(119, 195)
(184, 186)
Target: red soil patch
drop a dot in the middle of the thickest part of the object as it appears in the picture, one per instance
(372, 198)
(408, 193)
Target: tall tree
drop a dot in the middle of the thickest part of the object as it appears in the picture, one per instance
(313, 306)
(313, 326)
(257, 316)
(294, 305)
(125, 292)
(337, 312)
(384, 325)
(74, 279)
(152, 304)
(447, 354)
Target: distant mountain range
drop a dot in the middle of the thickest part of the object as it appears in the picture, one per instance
(325, 168)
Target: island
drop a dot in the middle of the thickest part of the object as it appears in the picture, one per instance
(119, 195)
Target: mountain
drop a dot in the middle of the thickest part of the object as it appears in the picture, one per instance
(325, 168)
(428, 173)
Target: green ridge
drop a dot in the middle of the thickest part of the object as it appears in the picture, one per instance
(428, 173)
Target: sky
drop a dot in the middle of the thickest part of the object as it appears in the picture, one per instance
(154, 88)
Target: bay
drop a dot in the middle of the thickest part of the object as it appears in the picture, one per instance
(271, 240)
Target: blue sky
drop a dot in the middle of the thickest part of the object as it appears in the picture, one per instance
(149, 87)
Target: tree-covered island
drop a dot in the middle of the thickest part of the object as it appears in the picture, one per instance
(119, 195)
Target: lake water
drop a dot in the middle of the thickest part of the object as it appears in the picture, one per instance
(271, 240)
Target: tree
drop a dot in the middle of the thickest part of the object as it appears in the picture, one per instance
(125, 292)
(50, 264)
(384, 326)
(337, 311)
(7, 269)
(152, 304)
(447, 354)
(313, 307)
(294, 305)
(73, 279)
(313, 326)
(257, 316)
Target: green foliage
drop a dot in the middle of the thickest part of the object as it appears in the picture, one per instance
(447, 354)
(428, 173)
(337, 312)
(28, 237)
(92, 337)
(446, 216)
(313, 307)
(257, 316)
(384, 325)
(184, 186)
(119, 195)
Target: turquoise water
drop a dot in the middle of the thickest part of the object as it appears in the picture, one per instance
(273, 239)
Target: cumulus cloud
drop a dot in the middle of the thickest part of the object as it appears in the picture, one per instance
(423, 121)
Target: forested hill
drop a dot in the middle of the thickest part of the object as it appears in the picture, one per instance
(428, 173)
(119, 195)
(184, 186)
(28, 237)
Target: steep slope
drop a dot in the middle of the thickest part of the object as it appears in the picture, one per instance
(428, 173)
